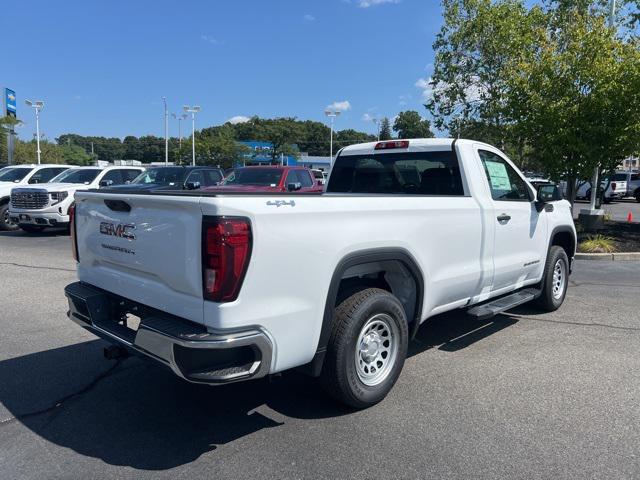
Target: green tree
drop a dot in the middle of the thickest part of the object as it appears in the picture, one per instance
(385, 129)
(75, 155)
(550, 84)
(6, 125)
(26, 152)
(409, 124)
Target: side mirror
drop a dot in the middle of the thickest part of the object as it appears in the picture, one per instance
(106, 183)
(292, 187)
(545, 193)
(192, 185)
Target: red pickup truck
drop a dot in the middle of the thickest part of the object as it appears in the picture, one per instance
(269, 179)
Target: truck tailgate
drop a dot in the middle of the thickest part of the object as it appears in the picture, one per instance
(146, 248)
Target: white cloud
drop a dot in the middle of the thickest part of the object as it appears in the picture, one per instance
(367, 117)
(210, 39)
(309, 17)
(77, 97)
(404, 99)
(473, 93)
(373, 3)
(238, 119)
(340, 106)
(424, 84)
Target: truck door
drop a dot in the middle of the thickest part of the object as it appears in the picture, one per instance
(520, 230)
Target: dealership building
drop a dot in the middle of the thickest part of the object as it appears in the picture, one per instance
(259, 153)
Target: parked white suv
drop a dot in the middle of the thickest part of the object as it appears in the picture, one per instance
(17, 175)
(35, 208)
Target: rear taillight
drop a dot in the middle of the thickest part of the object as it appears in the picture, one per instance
(226, 249)
(613, 186)
(392, 144)
(72, 231)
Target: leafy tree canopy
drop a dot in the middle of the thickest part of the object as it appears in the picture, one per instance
(409, 124)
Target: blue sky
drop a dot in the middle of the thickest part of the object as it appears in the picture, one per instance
(102, 66)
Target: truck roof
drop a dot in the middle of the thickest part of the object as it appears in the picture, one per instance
(415, 144)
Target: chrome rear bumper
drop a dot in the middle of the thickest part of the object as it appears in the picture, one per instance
(190, 350)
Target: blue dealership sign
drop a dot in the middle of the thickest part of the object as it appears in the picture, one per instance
(10, 102)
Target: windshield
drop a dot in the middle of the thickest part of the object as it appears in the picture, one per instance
(619, 177)
(14, 174)
(255, 176)
(162, 176)
(85, 175)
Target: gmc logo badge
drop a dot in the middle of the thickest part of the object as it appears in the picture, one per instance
(121, 230)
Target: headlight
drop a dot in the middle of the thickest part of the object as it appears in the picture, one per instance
(57, 197)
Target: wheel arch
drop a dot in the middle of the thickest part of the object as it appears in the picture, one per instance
(361, 258)
(563, 236)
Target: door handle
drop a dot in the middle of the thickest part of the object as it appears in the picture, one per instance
(504, 217)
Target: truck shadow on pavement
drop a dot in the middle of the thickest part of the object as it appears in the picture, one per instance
(49, 232)
(131, 413)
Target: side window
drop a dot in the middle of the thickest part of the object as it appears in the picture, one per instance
(305, 178)
(211, 177)
(129, 175)
(196, 176)
(115, 176)
(292, 177)
(45, 174)
(505, 184)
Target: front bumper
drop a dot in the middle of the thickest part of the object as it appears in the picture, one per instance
(189, 349)
(35, 217)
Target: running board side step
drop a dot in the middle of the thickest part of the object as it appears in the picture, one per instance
(502, 304)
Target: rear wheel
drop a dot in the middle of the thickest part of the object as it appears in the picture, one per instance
(31, 228)
(638, 196)
(367, 348)
(5, 221)
(555, 280)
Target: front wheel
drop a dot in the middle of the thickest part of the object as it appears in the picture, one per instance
(5, 221)
(367, 348)
(638, 196)
(555, 280)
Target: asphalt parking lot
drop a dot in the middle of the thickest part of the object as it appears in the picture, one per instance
(523, 395)
(618, 209)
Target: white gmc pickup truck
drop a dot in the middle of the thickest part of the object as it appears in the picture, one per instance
(223, 286)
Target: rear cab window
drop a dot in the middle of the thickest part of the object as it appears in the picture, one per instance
(405, 173)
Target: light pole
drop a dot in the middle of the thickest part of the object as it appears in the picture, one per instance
(179, 118)
(332, 114)
(192, 110)
(376, 120)
(595, 182)
(166, 132)
(38, 105)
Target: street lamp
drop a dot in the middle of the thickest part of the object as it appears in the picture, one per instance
(192, 110)
(166, 132)
(376, 120)
(332, 114)
(179, 118)
(38, 105)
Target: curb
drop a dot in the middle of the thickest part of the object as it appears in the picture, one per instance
(613, 257)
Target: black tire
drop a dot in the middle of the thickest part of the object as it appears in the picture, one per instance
(340, 376)
(553, 289)
(638, 196)
(6, 224)
(31, 228)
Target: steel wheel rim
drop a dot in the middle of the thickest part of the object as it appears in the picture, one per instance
(7, 219)
(376, 349)
(558, 279)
